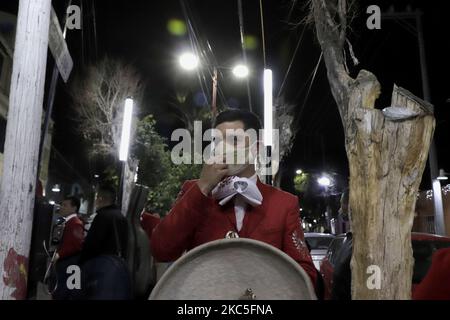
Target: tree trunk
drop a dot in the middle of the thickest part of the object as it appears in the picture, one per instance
(387, 157)
(23, 131)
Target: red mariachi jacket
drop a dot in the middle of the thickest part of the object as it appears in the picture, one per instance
(148, 223)
(72, 239)
(196, 219)
(436, 284)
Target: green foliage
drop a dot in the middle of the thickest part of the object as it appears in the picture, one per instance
(162, 197)
(151, 151)
(156, 169)
(301, 182)
(110, 176)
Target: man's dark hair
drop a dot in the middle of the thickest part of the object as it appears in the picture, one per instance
(107, 192)
(249, 119)
(74, 201)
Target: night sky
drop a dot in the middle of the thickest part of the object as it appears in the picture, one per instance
(135, 31)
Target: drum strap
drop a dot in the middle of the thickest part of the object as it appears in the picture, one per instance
(116, 237)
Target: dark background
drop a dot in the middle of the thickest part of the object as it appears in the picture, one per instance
(135, 31)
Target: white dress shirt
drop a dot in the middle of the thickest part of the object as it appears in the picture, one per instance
(240, 205)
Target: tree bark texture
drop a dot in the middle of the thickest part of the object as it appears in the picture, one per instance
(387, 157)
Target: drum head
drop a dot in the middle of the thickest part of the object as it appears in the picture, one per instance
(225, 269)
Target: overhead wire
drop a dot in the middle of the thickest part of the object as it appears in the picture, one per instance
(194, 47)
(262, 33)
(299, 114)
(94, 21)
(291, 62)
(197, 51)
(201, 52)
(294, 2)
(82, 36)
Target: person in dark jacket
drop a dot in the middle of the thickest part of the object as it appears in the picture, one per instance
(109, 230)
(105, 275)
(342, 275)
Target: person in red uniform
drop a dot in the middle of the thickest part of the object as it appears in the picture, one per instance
(208, 209)
(73, 235)
(436, 284)
(149, 221)
(69, 248)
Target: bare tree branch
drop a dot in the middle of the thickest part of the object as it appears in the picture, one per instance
(98, 99)
(331, 36)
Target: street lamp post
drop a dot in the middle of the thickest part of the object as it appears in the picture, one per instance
(324, 181)
(190, 62)
(442, 175)
(125, 142)
(268, 122)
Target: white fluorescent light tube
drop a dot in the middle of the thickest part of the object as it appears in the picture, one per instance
(126, 130)
(268, 107)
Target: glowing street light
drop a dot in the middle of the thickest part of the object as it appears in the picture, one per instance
(240, 71)
(324, 181)
(442, 175)
(268, 118)
(126, 130)
(298, 171)
(56, 188)
(188, 61)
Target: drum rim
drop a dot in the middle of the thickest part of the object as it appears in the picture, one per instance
(221, 242)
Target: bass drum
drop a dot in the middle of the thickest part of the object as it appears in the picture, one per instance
(233, 269)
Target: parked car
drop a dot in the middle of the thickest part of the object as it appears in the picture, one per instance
(318, 244)
(423, 245)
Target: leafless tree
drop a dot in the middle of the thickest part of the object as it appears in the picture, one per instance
(99, 98)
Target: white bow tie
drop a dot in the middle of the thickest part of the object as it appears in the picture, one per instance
(231, 186)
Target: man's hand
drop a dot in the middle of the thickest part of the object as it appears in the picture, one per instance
(210, 176)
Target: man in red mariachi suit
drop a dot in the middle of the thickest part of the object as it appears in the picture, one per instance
(199, 216)
(69, 248)
(73, 235)
(149, 221)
